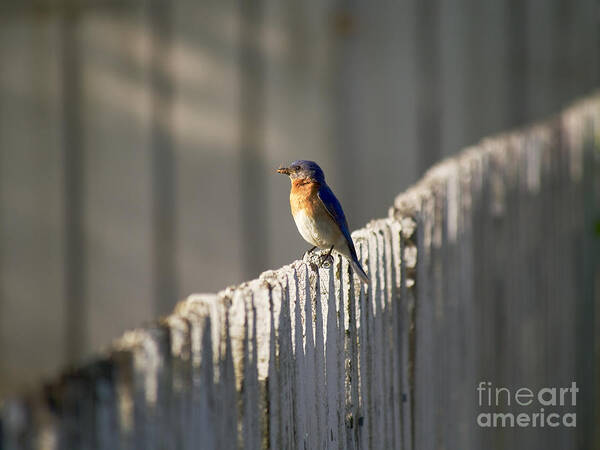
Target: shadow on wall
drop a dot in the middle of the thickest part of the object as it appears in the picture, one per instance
(161, 123)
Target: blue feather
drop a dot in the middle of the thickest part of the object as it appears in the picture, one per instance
(333, 207)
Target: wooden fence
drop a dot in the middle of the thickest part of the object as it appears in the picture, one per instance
(485, 271)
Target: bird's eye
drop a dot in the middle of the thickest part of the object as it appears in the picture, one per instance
(296, 168)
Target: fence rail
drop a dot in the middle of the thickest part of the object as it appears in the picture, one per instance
(485, 271)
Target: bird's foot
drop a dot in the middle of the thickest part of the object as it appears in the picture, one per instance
(308, 252)
(326, 260)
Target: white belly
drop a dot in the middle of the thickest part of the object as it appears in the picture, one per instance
(323, 233)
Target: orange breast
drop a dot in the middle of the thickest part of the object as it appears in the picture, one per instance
(303, 196)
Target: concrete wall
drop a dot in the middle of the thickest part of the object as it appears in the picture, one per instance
(486, 270)
(138, 138)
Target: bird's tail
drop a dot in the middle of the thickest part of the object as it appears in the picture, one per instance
(358, 270)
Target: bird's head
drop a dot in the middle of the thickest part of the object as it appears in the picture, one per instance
(302, 169)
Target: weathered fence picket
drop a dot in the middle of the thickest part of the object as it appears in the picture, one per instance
(485, 270)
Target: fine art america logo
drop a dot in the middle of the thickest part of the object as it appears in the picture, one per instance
(523, 407)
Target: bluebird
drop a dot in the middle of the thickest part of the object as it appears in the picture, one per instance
(318, 213)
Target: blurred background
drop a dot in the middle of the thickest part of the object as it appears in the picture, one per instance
(139, 139)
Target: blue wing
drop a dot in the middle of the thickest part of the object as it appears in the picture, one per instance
(333, 207)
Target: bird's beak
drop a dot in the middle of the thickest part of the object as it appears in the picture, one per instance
(283, 170)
